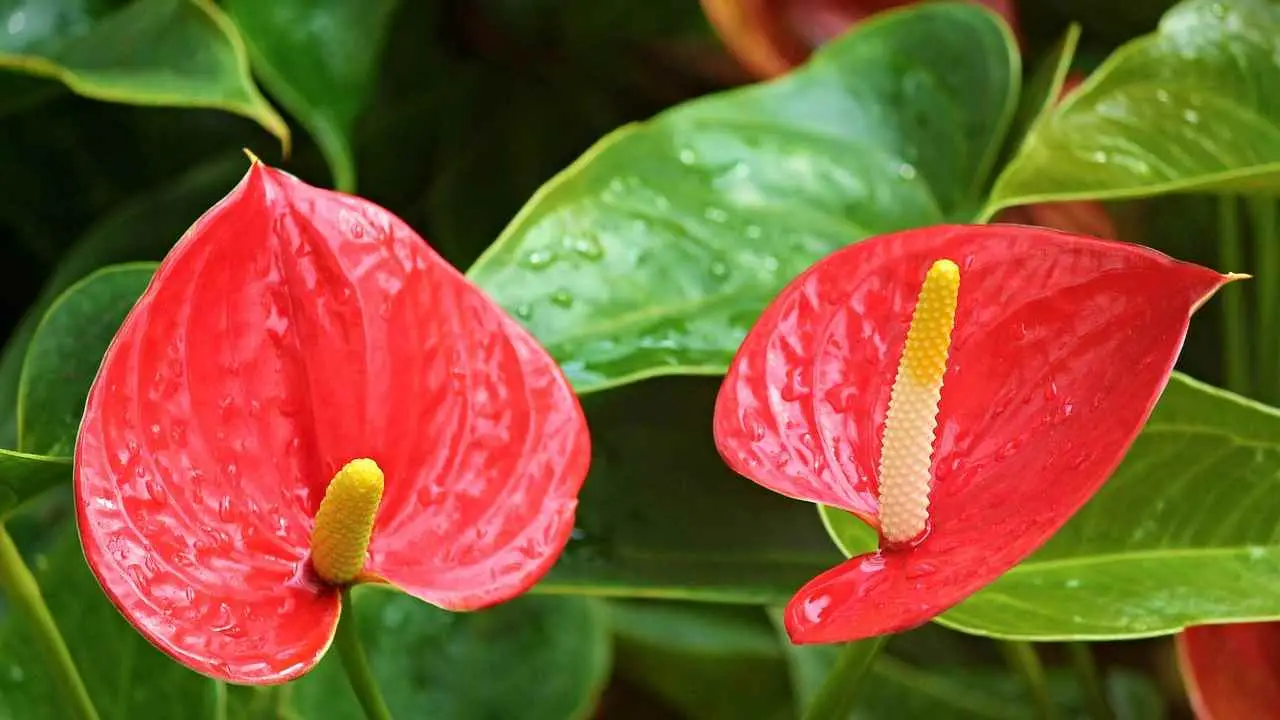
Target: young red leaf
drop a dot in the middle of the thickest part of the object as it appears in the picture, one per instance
(1061, 346)
(770, 37)
(1231, 671)
(290, 331)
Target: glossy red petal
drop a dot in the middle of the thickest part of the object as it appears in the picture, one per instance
(770, 37)
(1232, 672)
(1061, 347)
(290, 331)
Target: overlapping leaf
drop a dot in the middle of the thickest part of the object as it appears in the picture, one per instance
(1192, 106)
(178, 53)
(320, 60)
(655, 252)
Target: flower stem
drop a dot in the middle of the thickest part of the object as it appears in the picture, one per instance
(356, 664)
(1022, 657)
(1231, 255)
(1266, 244)
(839, 692)
(1090, 681)
(24, 593)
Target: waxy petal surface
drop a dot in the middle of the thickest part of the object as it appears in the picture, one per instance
(1061, 347)
(1232, 672)
(291, 330)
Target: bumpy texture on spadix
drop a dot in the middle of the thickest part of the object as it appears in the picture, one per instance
(1232, 672)
(1060, 348)
(291, 330)
(911, 419)
(344, 522)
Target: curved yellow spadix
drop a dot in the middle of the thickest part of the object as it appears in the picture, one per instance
(907, 449)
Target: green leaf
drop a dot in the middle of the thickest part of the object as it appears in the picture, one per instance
(898, 689)
(65, 353)
(177, 53)
(1182, 534)
(24, 476)
(126, 677)
(661, 515)
(1043, 89)
(1191, 107)
(532, 657)
(707, 661)
(320, 60)
(655, 252)
(143, 229)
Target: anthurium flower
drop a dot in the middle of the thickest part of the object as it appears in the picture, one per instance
(770, 37)
(961, 389)
(292, 337)
(1232, 672)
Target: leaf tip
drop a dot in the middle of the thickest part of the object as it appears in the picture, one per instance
(253, 159)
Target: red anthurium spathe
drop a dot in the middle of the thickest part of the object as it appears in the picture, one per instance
(292, 336)
(770, 37)
(1232, 672)
(1048, 352)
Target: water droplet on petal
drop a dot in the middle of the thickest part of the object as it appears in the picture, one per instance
(814, 608)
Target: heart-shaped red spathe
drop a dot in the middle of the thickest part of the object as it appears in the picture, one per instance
(1061, 346)
(1232, 672)
(291, 330)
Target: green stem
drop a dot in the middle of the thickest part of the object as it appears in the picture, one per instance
(1022, 657)
(1231, 255)
(219, 700)
(1090, 681)
(356, 664)
(839, 692)
(1266, 237)
(24, 593)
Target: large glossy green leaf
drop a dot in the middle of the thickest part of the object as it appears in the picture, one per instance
(126, 677)
(320, 61)
(179, 53)
(1193, 106)
(143, 229)
(1182, 534)
(65, 353)
(661, 515)
(534, 657)
(654, 253)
